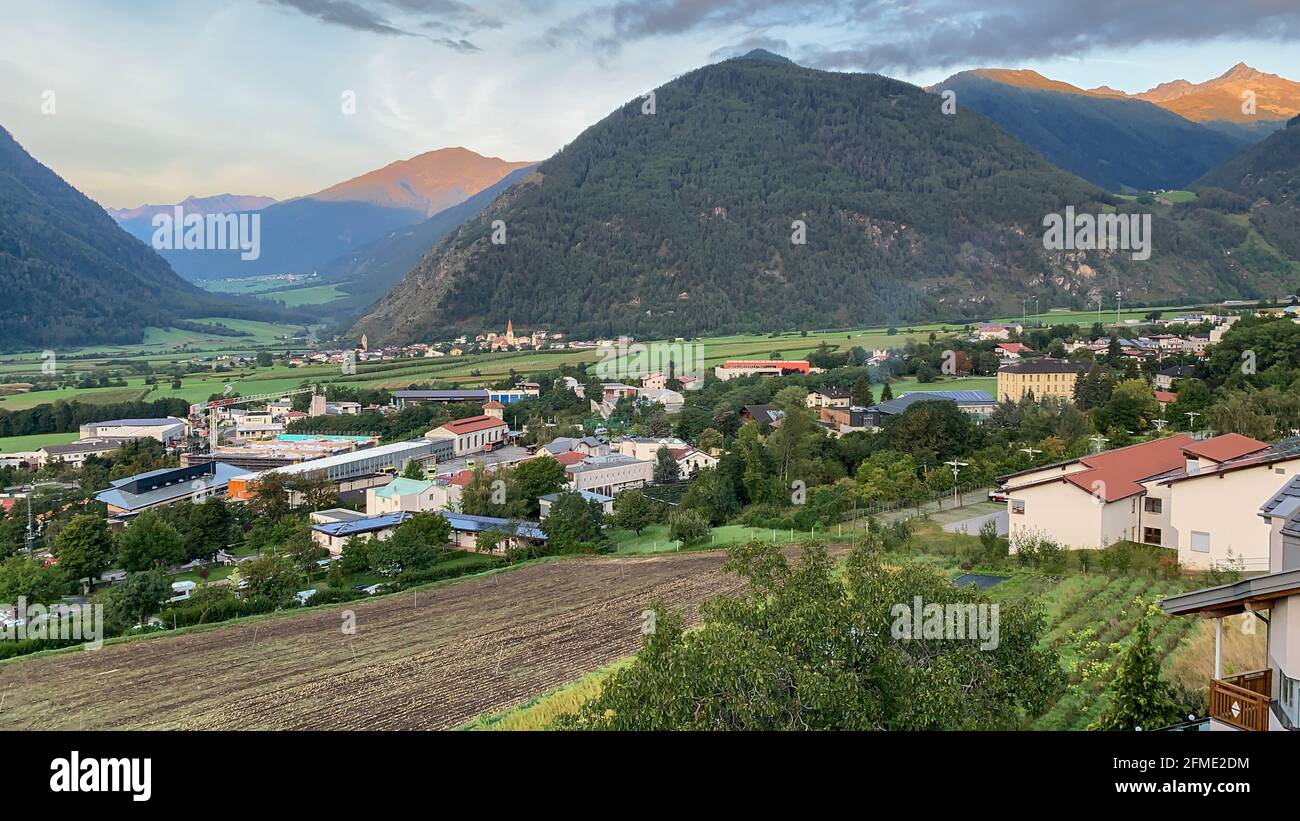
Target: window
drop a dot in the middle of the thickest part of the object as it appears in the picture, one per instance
(1153, 506)
(1200, 541)
(1018, 506)
(1151, 535)
(1280, 471)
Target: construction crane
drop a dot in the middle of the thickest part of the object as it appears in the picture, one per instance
(212, 407)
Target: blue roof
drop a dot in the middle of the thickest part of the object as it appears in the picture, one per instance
(956, 396)
(902, 403)
(586, 494)
(443, 394)
(368, 524)
(476, 524)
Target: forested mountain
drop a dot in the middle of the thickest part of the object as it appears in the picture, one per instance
(1114, 141)
(1267, 177)
(372, 270)
(70, 276)
(303, 234)
(681, 221)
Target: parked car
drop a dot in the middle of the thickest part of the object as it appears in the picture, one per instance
(998, 496)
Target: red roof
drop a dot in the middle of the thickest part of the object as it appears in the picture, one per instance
(1225, 447)
(1015, 347)
(492, 404)
(461, 479)
(1115, 474)
(793, 364)
(1166, 396)
(472, 424)
(570, 457)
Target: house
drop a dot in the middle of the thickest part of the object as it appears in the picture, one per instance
(587, 446)
(734, 368)
(465, 530)
(473, 435)
(606, 502)
(840, 421)
(168, 430)
(1166, 377)
(404, 399)
(672, 401)
(1176, 492)
(997, 330)
(1011, 351)
(75, 453)
(764, 415)
(1039, 378)
(1267, 698)
(609, 475)
(691, 461)
(647, 447)
(828, 398)
(977, 403)
(182, 590)
(334, 535)
(410, 495)
(1165, 399)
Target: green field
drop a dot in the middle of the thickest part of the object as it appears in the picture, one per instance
(24, 444)
(655, 539)
(908, 384)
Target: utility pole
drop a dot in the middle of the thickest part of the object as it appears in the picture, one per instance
(1191, 419)
(30, 536)
(1098, 441)
(1119, 298)
(1031, 451)
(956, 468)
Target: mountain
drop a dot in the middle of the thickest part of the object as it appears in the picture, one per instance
(686, 221)
(71, 277)
(1277, 99)
(1267, 179)
(372, 270)
(219, 204)
(1109, 139)
(302, 234)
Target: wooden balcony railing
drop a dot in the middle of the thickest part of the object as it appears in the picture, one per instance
(1242, 700)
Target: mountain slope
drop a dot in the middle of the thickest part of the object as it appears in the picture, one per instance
(1113, 141)
(69, 275)
(680, 222)
(1268, 177)
(300, 235)
(372, 270)
(1220, 99)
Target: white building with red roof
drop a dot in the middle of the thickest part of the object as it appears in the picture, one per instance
(472, 435)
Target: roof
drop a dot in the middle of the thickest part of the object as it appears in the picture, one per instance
(764, 413)
(477, 524)
(570, 457)
(901, 403)
(367, 524)
(1045, 365)
(1225, 447)
(586, 494)
(82, 447)
(459, 393)
(492, 404)
(1227, 599)
(766, 363)
(1015, 347)
(1285, 503)
(600, 462)
(1179, 371)
(404, 487)
(471, 424)
(1115, 474)
(1166, 396)
(209, 476)
(140, 423)
(314, 465)
(1281, 451)
(832, 393)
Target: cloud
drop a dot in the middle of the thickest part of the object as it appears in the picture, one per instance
(448, 17)
(876, 35)
(748, 44)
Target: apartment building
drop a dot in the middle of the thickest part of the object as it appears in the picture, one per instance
(1267, 698)
(610, 475)
(1039, 378)
(168, 430)
(828, 398)
(1175, 492)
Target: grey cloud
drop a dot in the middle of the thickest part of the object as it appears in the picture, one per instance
(372, 16)
(748, 44)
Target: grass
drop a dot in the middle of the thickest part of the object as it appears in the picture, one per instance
(655, 539)
(539, 713)
(908, 384)
(24, 444)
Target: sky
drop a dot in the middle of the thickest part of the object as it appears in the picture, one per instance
(150, 101)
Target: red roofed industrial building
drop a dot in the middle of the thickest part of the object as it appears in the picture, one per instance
(1199, 497)
(472, 435)
(734, 368)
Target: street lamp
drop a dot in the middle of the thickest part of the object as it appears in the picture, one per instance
(1191, 419)
(1098, 441)
(956, 468)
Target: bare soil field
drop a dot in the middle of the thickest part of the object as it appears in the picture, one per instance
(430, 659)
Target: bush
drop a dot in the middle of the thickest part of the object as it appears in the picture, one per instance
(688, 526)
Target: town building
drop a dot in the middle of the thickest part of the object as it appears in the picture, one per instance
(1166, 377)
(333, 535)
(828, 398)
(285, 449)
(1039, 378)
(133, 495)
(606, 502)
(609, 475)
(472, 435)
(352, 473)
(734, 368)
(76, 453)
(976, 403)
(168, 430)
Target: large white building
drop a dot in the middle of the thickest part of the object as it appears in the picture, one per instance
(1197, 497)
(168, 430)
(610, 475)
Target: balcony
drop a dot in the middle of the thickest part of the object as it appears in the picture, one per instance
(1242, 700)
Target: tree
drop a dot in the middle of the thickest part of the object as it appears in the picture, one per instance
(416, 544)
(711, 440)
(487, 541)
(137, 597)
(532, 479)
(712, 495)
(886, 393)
(264, 359)
(861, 393)
(791, 442)
(802, 648)
(634, 511)
(270, 497)
(1241, 412)
(150, 542)
(1131, 407)
(666, 469)
(688, 527)
(84, 547)
(272, 576)
(317, 490)
(574, 523)
(21, 577)
(413, 470)
(1138, 696)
